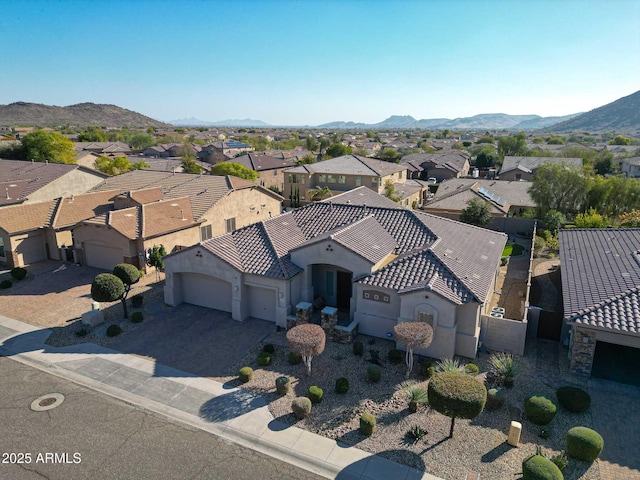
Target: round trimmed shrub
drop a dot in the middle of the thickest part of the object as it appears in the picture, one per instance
(358, 348)
(495, 398)
(374, 373)
(342, 385)
(18, 273)
(539, 467)
(426, 369)
(113, 330)
(137, 300)
(456, 395)
(584, 444)
(137, 317)
(367, 424)
(245, 374)
(264, 359)
(106, 287)
(396, 356)
(315, 394)
(282, 385)
(126, 272)
(301, 407)
(539, 409)
(573, 399)
(294, 358)
(269, 348)
(471, 369)
(4, 284)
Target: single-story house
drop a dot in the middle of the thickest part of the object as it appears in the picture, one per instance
(524, 168)
(441, 165)
(630, 166)
(375, 262)
(601, 295)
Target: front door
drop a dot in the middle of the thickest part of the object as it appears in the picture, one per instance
(344, 285)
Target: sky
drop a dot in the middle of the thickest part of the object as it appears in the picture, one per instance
(312, 62)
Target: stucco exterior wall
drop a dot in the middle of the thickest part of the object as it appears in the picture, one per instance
(512, 175)
(101, 235)
(272, 178)
(280, 291)
(182, 238)
(503, 334)
(73, 183)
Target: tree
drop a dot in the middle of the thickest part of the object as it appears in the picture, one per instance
(316, 194)
(113, 165)
(235, 169)
(559, 187)
(456, 395)
(141, 141)
(307, 159)
(306, 340)
(50, 147)
(128, 275)
(190, 166)
(486, 139)
(603, 163)
(324, 144)
(92, 134)
(476, 213)
(510, 146)
(412, 335)
(630, 219)
(487, 157)
(312, 143)
(338, 150)
(591, 219)
(620, 140)
(388, 154)
(106, 287)
(445, 132)
(554, 220)
(154, 259)
(391, 192)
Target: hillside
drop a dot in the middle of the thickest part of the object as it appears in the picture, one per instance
(196, 122)
(80, 115)
(622, 116)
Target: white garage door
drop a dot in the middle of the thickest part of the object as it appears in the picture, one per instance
(206, 291)
(32, 249)
(262, 303)
(100, 256)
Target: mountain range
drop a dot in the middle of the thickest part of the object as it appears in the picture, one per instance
(196, 122)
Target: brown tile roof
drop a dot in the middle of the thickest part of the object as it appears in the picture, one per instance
(147, 195)
(23, 218)
(351, 165)
(260, 162)
(453, 161)
(529, 164)
(72, 210)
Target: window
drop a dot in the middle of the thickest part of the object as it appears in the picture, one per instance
(293, 178)
(518, 176)
(400, 175)
(331, 179)
(275, 173)
(230, 224)
(1, 247)
(205, 233)
(322, 178)
(425, 317)
(374, 182)
(328, 288)
(358, 180)
(342, 179)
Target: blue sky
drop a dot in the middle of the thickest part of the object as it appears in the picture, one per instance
(312, 62)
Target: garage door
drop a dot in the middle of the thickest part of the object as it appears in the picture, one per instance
(618, 363)
(101, 256)
(32, 249)
(206, 291)
(262, 303)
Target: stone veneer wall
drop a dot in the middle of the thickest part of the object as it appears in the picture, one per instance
(582, 352)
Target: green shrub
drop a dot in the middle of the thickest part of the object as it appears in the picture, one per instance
(137, 300)
(539, 467)
(113, 330)
(539, 410)
(342, 385)
(126, 272)
(495, 398)
(471, 369)
(137, 317)
(358, 348)
(374, 373)
(4, 284)
(315, 394)
(573, 399)
(416, 396)
(584, 444)
(106, 287)
(367, 424)
(18, 273)
(301, 407)
(416, 432)
(396, 356)
(504, 367)
(426, 369)
(294, 358)
(269, 348)
(245, 374)
(560, 460)
(264, 359)
(282, 385)
(449, 365)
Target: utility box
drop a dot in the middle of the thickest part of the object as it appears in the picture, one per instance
(514, 434)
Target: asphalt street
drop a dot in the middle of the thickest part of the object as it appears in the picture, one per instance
(90, 435)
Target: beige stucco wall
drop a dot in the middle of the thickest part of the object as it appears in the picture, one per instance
(271, 178)
(102, 235)
(512, 176)
(73, 183)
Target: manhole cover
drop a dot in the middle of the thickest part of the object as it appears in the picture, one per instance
(47, 402)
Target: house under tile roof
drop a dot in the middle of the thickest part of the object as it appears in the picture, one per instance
(350, 165)
(529, 164)
(601, 277)
(454, 161)
(260, 162)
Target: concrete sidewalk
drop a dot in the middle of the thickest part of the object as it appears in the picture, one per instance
(229, 412)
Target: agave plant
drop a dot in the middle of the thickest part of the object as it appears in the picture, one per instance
(504, 366)
(416, 432)
(449, 365)
(416, 396)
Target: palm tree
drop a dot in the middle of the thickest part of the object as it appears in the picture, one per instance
(316, 194)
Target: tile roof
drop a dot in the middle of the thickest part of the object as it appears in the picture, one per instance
(621, 312)
(363, 196)
(597, 265)
(528, 164)
(454, 161)
(350, 165)
(453, 194)
(26, 217)
(260, 162)
(631, 161)
(71, 210)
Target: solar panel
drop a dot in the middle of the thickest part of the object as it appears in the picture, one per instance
(494, 197)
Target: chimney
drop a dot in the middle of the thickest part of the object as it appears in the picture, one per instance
(182, 215)
(7, 189)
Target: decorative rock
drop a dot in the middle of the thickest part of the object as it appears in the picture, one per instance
(514, 434)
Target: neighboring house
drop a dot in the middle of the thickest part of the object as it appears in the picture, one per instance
(441, 165)
(223, 150)
(630, 166)
(346, 173)
(524, 168)
(506, 198)
(377, 263)
(170, 150)
(269, 168)
(27, 182)
(108, 149)
(601, 295)
(86, 159)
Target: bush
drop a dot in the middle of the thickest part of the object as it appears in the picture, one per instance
(126, 272)
(282, 385)
(82, 332)
(264, 359)
(560, 460)
(367, 424)
(358, 348)
(18, 273)
(301, 407)
(107, 288)
(504, 367)
(342, 385)
(137, 317)
(137, 300)
(396, 356)
(113, 330)
(449, 365)
(315, 394)
(268, 348)
(573, 399)
(539, 467)
(584, 444)
(426, 369)
(4, 284)
(495, 398)
(416, 432)
(456, 395)
(471, 369)
(294, 358)
(539, 410)
(416, 397)
(374, 373)
(245, 374)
